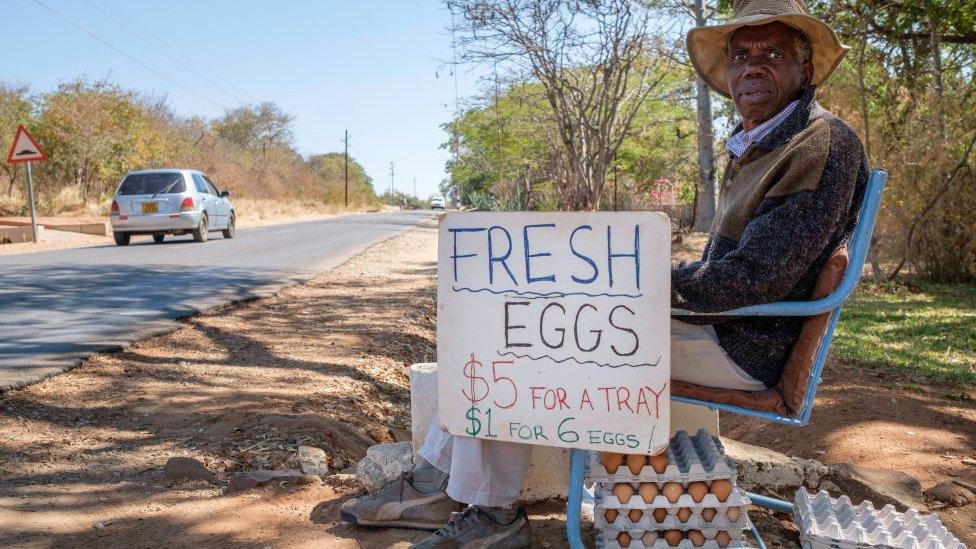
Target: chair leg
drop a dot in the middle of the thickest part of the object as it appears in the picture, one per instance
(574, 505)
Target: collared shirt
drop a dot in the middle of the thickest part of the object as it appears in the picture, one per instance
(740, 142)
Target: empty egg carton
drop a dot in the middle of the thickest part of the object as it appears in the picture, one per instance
(829, 522)
(642, 539)
(697, 458)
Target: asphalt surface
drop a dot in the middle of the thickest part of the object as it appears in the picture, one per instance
(59, 307)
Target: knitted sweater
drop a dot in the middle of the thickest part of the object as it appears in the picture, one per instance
(784, 206)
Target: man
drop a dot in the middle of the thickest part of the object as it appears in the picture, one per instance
(789, 197)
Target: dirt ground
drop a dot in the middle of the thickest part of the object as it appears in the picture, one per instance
(323, 364)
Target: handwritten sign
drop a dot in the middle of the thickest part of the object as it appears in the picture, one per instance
(554, 328)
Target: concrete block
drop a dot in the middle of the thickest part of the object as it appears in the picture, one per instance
(17, 235)
(99, 229)
(548, 472)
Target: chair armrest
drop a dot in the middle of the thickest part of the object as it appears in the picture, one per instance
(780, 308)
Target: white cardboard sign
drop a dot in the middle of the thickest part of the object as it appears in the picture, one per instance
(554, 328)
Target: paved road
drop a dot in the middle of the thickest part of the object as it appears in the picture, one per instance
(56, 308)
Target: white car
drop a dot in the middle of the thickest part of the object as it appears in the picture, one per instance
(170, 201)
(437, 202)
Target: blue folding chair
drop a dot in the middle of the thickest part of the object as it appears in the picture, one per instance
(858, 249)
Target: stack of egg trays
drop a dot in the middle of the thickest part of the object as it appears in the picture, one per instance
(690, 459)
(607, 539)
(837, 523)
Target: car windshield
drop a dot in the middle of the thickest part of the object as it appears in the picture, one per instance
(153, 183)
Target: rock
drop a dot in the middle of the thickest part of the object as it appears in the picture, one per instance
(877, 486)
(831, 488)
(344, 437)
(251, 479)
(950, 493)
(764, 470)
(383, 463)
(343, 481)
(312, 460)
(187, 468)
(969, 462)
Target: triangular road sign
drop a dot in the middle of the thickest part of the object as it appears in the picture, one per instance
(25, 148)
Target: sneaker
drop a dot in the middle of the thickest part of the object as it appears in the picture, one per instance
(476, 528)
(399, 504)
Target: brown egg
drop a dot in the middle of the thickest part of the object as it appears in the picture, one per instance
(684, 514)
(672, 491)
(623, 492)
(648, 491)
(708, 514)
(660, 514)
(649, 538)
(697, 491)
(610, 515)
(611, 461)
(723, 538)
(696, 538)
(623, 538)
(721, 489)
(635, 515)
(733, 513)
(635, 463)
(673, 537)
(660, 462)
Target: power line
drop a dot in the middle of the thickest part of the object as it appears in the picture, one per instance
(145, 39)
(109, 45)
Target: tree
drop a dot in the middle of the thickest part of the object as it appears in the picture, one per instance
(94, 127)
(914, 86)
(255, 127)
(590, 59)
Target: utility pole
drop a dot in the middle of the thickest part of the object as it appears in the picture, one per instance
(415, 189)
(345, 170)
(391, 182)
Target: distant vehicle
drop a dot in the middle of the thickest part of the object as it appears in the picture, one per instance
(171, 201)
(437, 202)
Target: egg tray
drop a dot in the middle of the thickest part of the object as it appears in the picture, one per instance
(606, 500)
(690, 459)
(829, 522)
(695, 522)
(608, 540)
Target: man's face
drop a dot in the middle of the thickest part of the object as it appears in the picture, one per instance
(764, 74)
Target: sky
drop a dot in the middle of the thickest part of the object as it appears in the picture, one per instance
(377, 68)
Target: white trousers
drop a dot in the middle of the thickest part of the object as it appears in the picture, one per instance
(490, 473)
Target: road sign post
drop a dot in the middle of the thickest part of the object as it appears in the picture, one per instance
(33, 209)
(26, 150)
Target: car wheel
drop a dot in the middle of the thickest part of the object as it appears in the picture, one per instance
(202, 231)
(158, 238)
(231, 227)
(122, 239)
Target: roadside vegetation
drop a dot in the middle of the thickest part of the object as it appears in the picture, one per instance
(94, 131)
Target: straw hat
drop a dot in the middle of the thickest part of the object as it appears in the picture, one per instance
(708, 46)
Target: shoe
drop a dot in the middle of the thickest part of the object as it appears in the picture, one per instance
(399, 504)
(475, 528)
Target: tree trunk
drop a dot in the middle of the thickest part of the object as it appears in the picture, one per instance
(937, 79)
(876, 274)
(705, 201)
